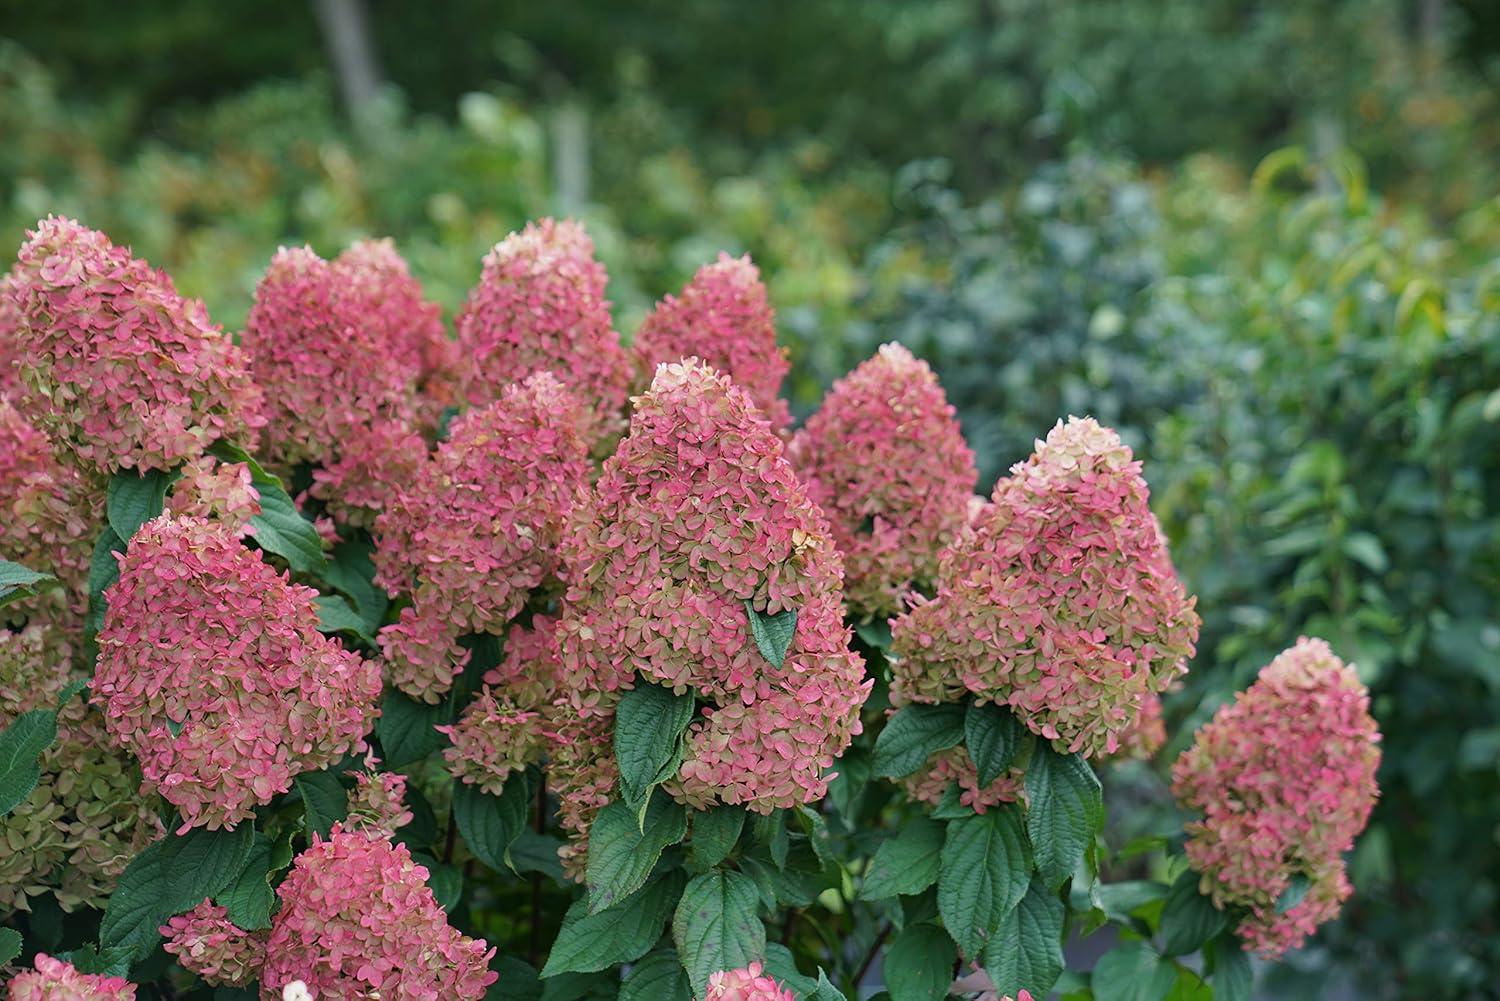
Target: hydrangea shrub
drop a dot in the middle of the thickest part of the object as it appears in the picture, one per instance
(345, 659)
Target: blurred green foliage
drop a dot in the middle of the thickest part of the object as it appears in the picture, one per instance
(1310, 370)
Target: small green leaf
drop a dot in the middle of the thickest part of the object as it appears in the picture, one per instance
(781, 967)
(1294, 894)
(249, 897)
(717, 926)
(906, 864)
(133, 499)
(324, 800)
(994, 738)
(407, 729)
(649, 723)
(622, 853)
(825, 991)
(1065, 812)
(335, 616)
(985, 871)
(914, 734)
(657, 977)
(1132, 971)
(621, 934)
(352, 572)
(1189, 919)
(28, 735)
(280, 527)
(919, 964)
(17, 582)
(773, 633)
(1233, 978)
(715, 832)
(109, 962)
(1025, 953)
(10, 945)
(103, 572)
(491, 823)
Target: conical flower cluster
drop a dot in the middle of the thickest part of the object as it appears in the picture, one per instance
(479, 528)
(696, 524)
(212, 672)
(886, 461)
(1061, 602)
(1284, 778)
(206, 943)
(747, 984)
(723, 317)
(540, 306)
(358, 920)
(120, 371)
(56, 980)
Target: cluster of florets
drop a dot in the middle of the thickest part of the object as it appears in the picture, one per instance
(747, 984)
(479, 528)
(506, 727)
(377, 463)
(357, 919)
(886, 461)
(1060, 602)
(46, 521)
(218, 491)
(696, 523)
(208, 944)
(930, 783)
(540, 306)
(1285, 780)
(1141, 741)
(378, 801)
(120, 371)
(56, 980)
(10, 326)
(582, 770)
(84, 820)
(724, 318)
(330, 368)
(212, 672)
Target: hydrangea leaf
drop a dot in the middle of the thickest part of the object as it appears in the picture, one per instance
(715, 833)
(994, 738)
(622, 852)
(17, 582)
(914, 734)
(985, 870)
(773, 633)
(1233, 978)
(649, 723)
(717, 926)
(133, 499)
(491, 823)
(336, 616)
(1025, 953)
(407, 728)
(10, 945)
(28, 735)
(1065, 812)
(324, 800)
(1189, 919)
(280, 527)
(625, 932)
(658, 977)
(905, 864)
(1132, 971)
(919, 964)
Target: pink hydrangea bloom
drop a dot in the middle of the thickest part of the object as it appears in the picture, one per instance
(696, 518)
(505, 728)
(929, 783)
(85, 820)
(221, 491)
(376, 464)
(55, 980)
(582, 770)
(10, 327)
(208, 944)
(378, 801)
(748, 984)
(121, 372)
(327, 363)
(724, 318)
(885, 460)
(1142, 740)
(540, 306)
(1284, 777)
(1060, 602)
(479, 528)
(212, 672)
(358, 920)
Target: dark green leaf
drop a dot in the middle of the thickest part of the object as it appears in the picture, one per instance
(914, 734)
(133, 499)
(622, 852)
(335, 616)
(352, 572)
(17, 582)
(324, 800)
(589, 942)
(201, 863)
(906, 864)
(1065, 813)
(28, 735)
(490, 823)
(445, 881)
(649, 723)
(407, 729)
(715, 832)
(1233, 978)
(657, 977)
(280, 527)
(773, 633)
(137, 908)
(533, 852)
(994, 738)
(919, 964)
(781, 967)
(825, 991)
(1189, 919)
(1120, 900)
(770, 831)
(518, 981)
(1025, 953)
(107, 962)
(103, 572)
(249, 897)
(985, 870)
(717, 926)
(10, 945)
(1132, 971)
